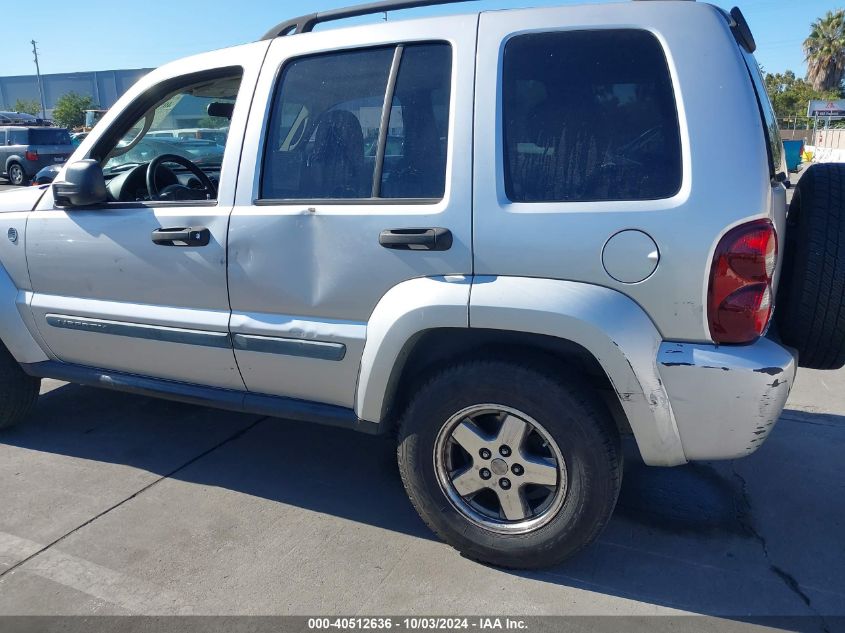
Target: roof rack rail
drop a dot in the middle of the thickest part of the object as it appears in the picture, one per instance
(306, 23)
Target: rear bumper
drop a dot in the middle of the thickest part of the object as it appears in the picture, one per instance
(725, 399)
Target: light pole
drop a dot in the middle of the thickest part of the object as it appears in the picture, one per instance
(38, 75)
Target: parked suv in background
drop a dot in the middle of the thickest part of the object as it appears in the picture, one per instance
(20, 118)
(509, 237)
(25, 150)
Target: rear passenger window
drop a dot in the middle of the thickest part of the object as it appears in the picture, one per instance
(18, 137)
(330, 138)
(415, 153)
(589, 116)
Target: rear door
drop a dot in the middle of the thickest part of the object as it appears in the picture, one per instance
(338, 194)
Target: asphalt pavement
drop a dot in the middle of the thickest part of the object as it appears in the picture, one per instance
(118, 504)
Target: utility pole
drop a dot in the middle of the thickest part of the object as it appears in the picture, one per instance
(40, 86)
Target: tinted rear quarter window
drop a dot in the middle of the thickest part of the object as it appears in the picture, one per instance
(589, 116)
(49, 136)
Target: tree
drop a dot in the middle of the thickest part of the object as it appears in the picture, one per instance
(824, 51)
(213, 122)
(70, 109)
(27, 106)
(790, 94)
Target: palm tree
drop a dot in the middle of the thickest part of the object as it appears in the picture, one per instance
(824, 51)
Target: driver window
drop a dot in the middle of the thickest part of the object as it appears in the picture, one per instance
(181, 138)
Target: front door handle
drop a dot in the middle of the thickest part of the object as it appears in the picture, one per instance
(416, 239)
(185, 236)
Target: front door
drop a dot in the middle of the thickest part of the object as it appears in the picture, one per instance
(138, 285)
(346, 197)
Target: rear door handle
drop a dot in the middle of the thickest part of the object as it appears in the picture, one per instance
(185, 236)
(416, 239)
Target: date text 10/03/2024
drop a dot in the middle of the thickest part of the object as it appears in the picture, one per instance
(418, 623)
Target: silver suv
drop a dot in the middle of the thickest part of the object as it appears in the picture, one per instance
(24, 151)
(509, 237)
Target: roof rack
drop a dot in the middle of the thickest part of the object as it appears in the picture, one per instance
(306, 23)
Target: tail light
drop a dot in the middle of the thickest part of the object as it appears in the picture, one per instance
(30, 155)
(739, 299)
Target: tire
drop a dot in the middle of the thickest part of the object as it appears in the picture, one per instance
(581, 431)
(16, 174)
(18, 391)
(810, 307)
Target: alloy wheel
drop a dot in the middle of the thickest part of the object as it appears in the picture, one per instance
(500, 468)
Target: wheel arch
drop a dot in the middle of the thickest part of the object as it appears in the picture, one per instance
(433, 349)
(17, 329)
(14, 332)
(14, 158)
(423, 322)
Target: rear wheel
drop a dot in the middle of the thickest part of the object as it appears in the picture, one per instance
(511, 465)
(810, 311)
(16, 174)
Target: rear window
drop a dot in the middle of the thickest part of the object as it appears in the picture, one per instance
(49, 136)
(589, 116)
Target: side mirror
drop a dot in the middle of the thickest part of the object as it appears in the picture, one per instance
(83, 186)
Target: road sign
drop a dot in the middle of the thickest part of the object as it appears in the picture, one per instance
(822, 107)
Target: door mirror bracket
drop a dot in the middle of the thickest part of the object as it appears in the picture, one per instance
(83, 185)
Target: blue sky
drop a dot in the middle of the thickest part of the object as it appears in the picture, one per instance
(161, 31)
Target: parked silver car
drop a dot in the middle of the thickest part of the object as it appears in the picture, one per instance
(24, 151)
(563, 228)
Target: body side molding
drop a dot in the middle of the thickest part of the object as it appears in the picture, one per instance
(321, 350)
(138, 330)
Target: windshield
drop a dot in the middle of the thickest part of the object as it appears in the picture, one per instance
(192, 123)
(199, 152)
(49, 136)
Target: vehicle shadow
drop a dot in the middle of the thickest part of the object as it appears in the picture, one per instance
(720, 538)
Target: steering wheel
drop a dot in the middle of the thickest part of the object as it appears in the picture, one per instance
(158, 161)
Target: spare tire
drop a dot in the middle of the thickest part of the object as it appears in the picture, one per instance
(810, 308)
